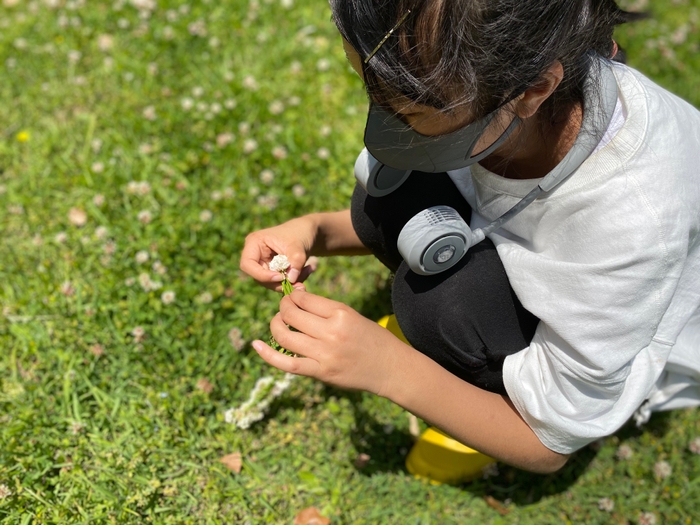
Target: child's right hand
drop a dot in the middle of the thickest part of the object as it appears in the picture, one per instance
(294, 239)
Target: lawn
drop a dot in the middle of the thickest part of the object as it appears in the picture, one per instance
(141, 141)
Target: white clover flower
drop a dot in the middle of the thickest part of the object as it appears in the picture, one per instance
(206, 216)
(249, 82)
(323, 153)
(224, 139)
(168, 297)
(97, 167)
(249, 146)
(647, 518)
(216, 108)
(295, 67)
(187, 103)
(149, 113)
(61, 237)
(144, 216)
(268, 201)
(244, 128)
(624, 452)
(323, 64)
(230, 103)
(662, 469)
(694, 446)
(98, 200)
(139, 334)
(279, 263)
(101, 232)
(606, 504)
(235, 336)
(267, 176)
(105, 42)
(279, 152)
(141, 256)
(298, 190)
(5, 491)
(276, 107)
(77, 217)
(159, 268)
(67, 288)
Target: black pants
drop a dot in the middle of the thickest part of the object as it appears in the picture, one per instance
(467, 318)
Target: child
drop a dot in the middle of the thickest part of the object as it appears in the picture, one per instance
(582, 308)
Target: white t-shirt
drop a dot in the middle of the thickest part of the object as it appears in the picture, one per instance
(610, 264)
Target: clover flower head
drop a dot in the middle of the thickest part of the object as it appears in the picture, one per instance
(279, 263)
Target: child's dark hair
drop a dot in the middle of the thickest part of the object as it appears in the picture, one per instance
(478, 52)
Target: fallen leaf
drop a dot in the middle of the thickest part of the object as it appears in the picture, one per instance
(205, 385)
(310, 516)
(361, 460)
(233, 462)
(496, 505)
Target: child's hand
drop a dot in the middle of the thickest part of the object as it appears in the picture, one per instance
(340, 346)
(293, 239)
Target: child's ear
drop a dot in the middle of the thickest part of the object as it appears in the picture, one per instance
(529, 102)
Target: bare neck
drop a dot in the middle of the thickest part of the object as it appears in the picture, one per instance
(535, 150)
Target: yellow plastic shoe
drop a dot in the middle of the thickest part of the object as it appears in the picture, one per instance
(436, 456)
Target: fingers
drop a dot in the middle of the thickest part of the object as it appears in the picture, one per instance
(306, 322)
(286, 363)
(252, 258)
(299, 343)
(314, 304)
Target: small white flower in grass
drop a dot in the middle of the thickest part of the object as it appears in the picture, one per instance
(249, 146)
(145, 217)
(216, 195)
(490, 471)
(325, 130)
(141, 256)
(5, 491)
(110, 247)
(67, 288)
(105, 42)
(230, 103)
(197, 91)
(662, 469)
(197, 28)
(159, 268)
(624, 452)
(97, 167)
(129, 281)
(76, 427)
(267, 177)
(202, 107)
(98, 200)
(694, 446)
(294, 101)
(96, 145)
(606, 504)
(101, 232)
(216, 108)
(15, 209)
(298, 190)
(295, 67)
(20, 43)
(37, 240)
(268, 201)
(74, 56)
(168, 33)
(77, 217)
(205, 216)
(152, 69)
(323, 64)
(279, 263)
(244, 128)
(149, 113)
(235, 336)
(276, 107)
(168, 297)
(323, 153)
(139, 334)
(3, 189)
(224, 139)
(647, 518)
(205, 298)
(279, 152)
(249, 82)
(229, 193)
(187, 103)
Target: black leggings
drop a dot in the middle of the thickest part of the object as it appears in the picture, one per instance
(467, 319)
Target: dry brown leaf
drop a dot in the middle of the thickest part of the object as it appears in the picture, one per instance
(496, 505)
(205, 385)
(310, 516)
(361, 460)
(233, 462)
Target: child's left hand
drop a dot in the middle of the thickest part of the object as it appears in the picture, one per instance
(340, 346)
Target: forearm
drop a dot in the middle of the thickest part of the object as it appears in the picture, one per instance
(481, 420)
(336, 236)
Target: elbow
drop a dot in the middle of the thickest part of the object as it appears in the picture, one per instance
(550, 463)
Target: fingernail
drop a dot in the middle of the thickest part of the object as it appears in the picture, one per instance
(257, 345)
(277, 278)
(293, 275)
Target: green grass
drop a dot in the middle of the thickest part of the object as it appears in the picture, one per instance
(128, 436)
